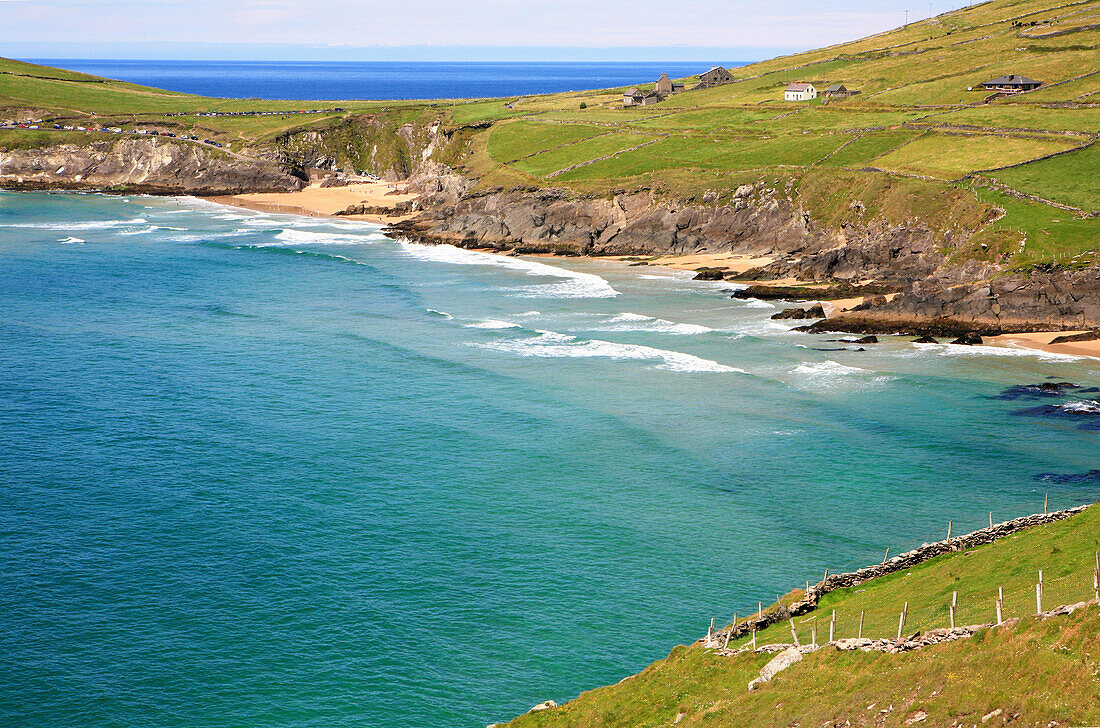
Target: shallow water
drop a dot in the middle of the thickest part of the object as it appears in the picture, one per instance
(272, 471)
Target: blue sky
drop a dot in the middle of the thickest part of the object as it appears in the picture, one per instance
(440, 29)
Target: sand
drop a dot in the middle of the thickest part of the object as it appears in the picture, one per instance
(727, 261)
(316, 201)
(1041, 341)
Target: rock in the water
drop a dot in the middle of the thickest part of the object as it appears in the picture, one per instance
(815, 311)
(925, 340)
(709, 274)
(546, 705)
(872, 339)
(970, 338)
(791, 313)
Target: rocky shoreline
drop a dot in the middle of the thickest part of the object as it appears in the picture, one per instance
(907, 283)
(151, 166)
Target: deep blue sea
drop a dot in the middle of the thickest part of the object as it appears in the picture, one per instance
(376, 79)
(267, 471)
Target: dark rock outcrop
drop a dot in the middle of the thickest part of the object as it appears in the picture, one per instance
(709, 274)
(817, 293)
(147, 165)
(970, 338)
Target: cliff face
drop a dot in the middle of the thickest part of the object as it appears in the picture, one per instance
(360, 143)
(151, 165)
(936, 294)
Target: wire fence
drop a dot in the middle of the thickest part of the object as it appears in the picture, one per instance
(1018, 597)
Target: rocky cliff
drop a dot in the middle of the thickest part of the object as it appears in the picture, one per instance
(937, 294)
(150, 165)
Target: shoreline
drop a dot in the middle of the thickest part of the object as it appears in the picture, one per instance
(325, 202)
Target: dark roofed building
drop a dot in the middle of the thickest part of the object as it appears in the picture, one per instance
(635, 97)
(714, 77)
(838, 91)
(1012, 84)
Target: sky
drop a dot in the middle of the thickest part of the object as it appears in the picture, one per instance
(519, 30)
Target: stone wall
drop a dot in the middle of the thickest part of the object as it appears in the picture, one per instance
(901, 562)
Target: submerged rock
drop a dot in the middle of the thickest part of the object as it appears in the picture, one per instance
(970, 338)
(1037, 391)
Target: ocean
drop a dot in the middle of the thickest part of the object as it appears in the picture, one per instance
(271, 471)
(337, 80)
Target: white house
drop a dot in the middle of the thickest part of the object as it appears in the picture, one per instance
(800, 92)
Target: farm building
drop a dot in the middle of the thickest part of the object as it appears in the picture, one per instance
(714, 77)
(838, 91)
(635, 97)
(1012, 84)
(666, 87)
(800, 92)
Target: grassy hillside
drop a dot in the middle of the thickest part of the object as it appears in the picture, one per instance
(1033, 671)
(915, 119)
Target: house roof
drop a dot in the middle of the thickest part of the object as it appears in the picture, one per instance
(837, 87)
(800, 87)
(1011, 80)
(632, 92)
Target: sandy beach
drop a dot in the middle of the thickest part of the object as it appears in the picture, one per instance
(317, 201)
(730, 262)
(1041, 341)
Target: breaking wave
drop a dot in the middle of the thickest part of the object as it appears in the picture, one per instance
(639, 322)
(550, 344)
(574, 285)
(493, 324)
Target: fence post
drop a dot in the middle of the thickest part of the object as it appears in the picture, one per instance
(832, 626)
(1000, 603)
(710, 630)
(954, 602)
(794, 634)
(1046, 503)
(813, 633)
(729, 632)
(1096, 578)
(991, 519)
(887, 556)
(861, 625)
(1039, 598)
(754, 636)
(759, 610)
(901, 620)
(949, 523)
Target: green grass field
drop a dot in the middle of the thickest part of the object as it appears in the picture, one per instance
(1072, 179)
(1033, 671)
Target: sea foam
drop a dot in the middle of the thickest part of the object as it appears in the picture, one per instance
(639, 322)
(551, 344)
(574, 285)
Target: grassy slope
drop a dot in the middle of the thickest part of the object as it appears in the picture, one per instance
(1041, 670)
(914, 118)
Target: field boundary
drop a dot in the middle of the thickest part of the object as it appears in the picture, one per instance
(900, 562)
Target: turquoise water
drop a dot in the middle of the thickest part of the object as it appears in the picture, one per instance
(269, 471)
